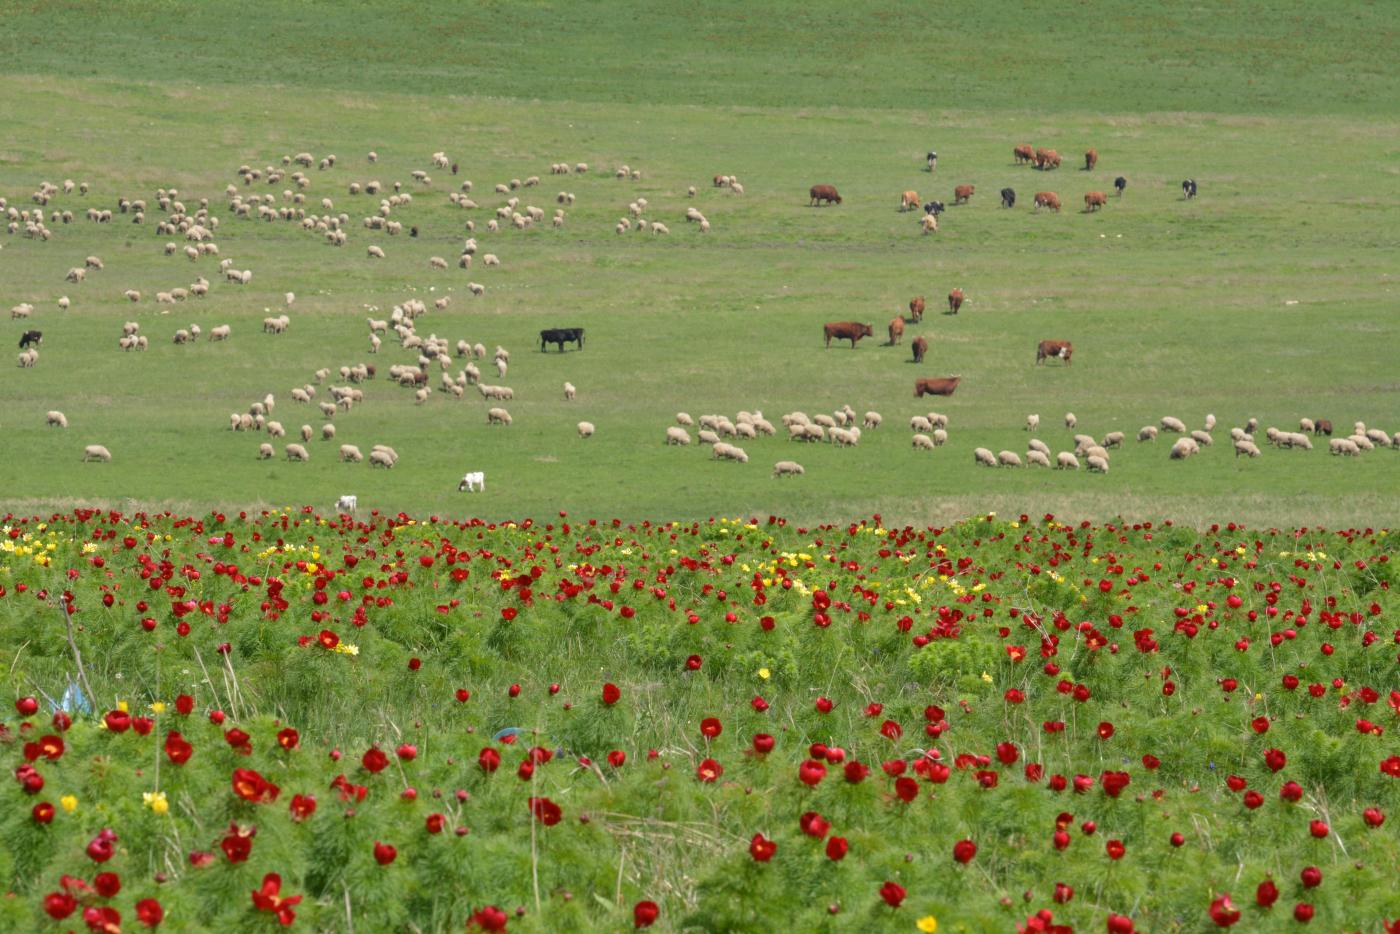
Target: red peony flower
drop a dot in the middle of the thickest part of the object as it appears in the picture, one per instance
(288, 739)
(42, 813)
(1275, 759)
(106, 919)
(1373, 817)
(1318, 828)
(107, 884)
(692, 663)
(763, 743)
(1105, 730)
(1222, 912)
(611, 693)
(1120, 924)
(184, 705)
(709, 770)
(964, 850)
(906, 788)
(893, 893)
(813, 824)
(1303, 912)
(1115, 849)
(303, 806)
(811, 772)
(251, 786)
(237, 843)
(1266, 894)
(761, 848)
(824, 705)
(118, 721)
(59, 905)
(384, 853)
(374, 760)
(710, 727)
(102, 847)
(644, 914)
(1311, 876)
(489, 918)
(177, 749)
(267, 898)
(149, 912)
(434, 823)
(836, 849)
(545, 811)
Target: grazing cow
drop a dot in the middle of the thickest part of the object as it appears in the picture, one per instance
(561, 336)
(962, 193)
(1094, 200)
(846, 330)
(955, 301)
(1047, 349)
(1008, 197)
(920, 345)
(1023, 153)
(1188, 188)
(936, 386)
(1322, 427)
(916, 309)
(30, 337)
(474, 481)
(823, 194)
(908, 201)
(1046, 159)
(1091, 159)
(896, 329)
(932, 160)
(1120, 183)
(934, 207)
(1047, 199)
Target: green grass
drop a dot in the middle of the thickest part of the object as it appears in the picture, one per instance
(1269, 296)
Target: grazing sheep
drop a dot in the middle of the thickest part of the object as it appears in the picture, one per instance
(1173, 424)
(327, 432)
(1083, 441)
(872, 420)
(569, 392)
(922, 442)
(327, 409)
(659, 228)
(1012, 459)
(1239, 434)
(295, 452)
(940, 437)
(1362, 442)
(1097, 464)
(1114, 439)
(676, 435)
(1070, 421)
(75, 275)
(1378, 437)
(1095, 450)
(1147, 433)
(92, 262)
(1252, 426)
(476, 288)
(275, 430)
(1035, 444)
(132, 295)
(63, 303)
(1294, 439)
(1246, 448)
(937, 420)
(56, 419)
(350, 454)
(1343, 446)
(265, 452)
(1184, 448)
(1306, 424)
(918, 423)
(382, 459)
(1032, 423)
(1210, 422)
(1066, 461)
(585, 429)
(683, 418)
(497, 417)
(96, 452)
(984, 457)
(1036, 458)
(306, 433)
(707, 436)
(1202, 438)
(786, 468)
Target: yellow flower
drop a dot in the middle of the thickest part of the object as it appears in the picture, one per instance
(345, 648)
(986, 677)
(122, 706)
(158, 707)
(928, 924)
(89, 547)
(69, 803)
(764, 673)
(155, 800)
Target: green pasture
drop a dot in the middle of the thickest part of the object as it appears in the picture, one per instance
(1271, 295)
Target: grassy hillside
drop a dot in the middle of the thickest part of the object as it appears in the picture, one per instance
(1268, 296)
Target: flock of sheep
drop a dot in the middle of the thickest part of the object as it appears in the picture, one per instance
(198, 225)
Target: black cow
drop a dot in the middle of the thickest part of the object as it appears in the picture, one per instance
(1120, 183)
(934, 207)
(30, 337)
(1008, 197)
(932, 160)
(1188, 188)
(413, 231)
(561, 336)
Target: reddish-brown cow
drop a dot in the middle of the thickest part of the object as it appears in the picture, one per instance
(955, 300)
(824, 194)
(1047, 349)
(847, 330)
(1094, 200)
(896, 329)
(916, 309)
(1091, 159)
(1047, 199)
(944, 386)
(920, 346)
(1023, 153)
(962, 193)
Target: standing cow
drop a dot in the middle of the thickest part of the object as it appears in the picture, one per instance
(896, 329)
(932, 160)
(30, 337)
(1047, 199)
(1023, 153)
(955, 301)
(1094, 200)
(1188, 188)
(908, 201)
(1091, 159)
(846, 330)
(823, 194)
(920, 347)
(1120, 183)
(934, 207)
(1008, 197)
(916, 309)
(963, 193)
(1047, 349)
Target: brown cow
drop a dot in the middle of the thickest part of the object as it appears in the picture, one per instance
(1046, 159)
(824, 193)
(896, 329)
(962, 193)
(1094, 200)
(1322, 426)
(908, 201)
(1046, 349)
(916, 309)
(935, 387)
(847, 330)
(955, 300)
(1047, 199)
(1023, 153)
(1091, 159)
(920, 346)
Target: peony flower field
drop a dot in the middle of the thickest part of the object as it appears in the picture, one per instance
(296, 720)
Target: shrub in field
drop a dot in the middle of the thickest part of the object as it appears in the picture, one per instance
(222, 723)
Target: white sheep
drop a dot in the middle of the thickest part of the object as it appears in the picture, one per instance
(1343, 446)
(497, 417)
(1097, 464)
(381, 459)
(1066, 461)
(659, 228)
(1173, 424)
(56, 419)
(63, 303)
(1210, 422)
(1032, 423)
(490, 259)
(1184, 448)
(1246, 448)
(585, 429)
(569, 392)
(96, 452)
(265, 452)
(307, 433)
(327, 432)
(476, 288)
(219, 333)
(678, 436)
(984, 457)
(919, 423)
(375, 252)
(707, 436)
(1147, 433)
(1009, 459)
(295, 452)
(787, 468)
(275, 430)
(937, 420)
(1035, 444)
(1036, 458)
(1378, 437)
(683, 418)
(921, 442)
(350, 454)
(940, 437)
(1070, 421)
(872, 420)
(1114, 439)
